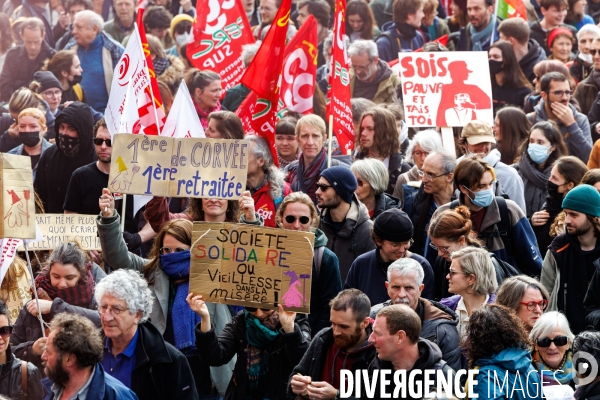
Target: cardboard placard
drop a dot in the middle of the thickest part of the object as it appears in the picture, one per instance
(17, 197)
(63, 228)
(445, 88)
(171, 167)
(247, 265)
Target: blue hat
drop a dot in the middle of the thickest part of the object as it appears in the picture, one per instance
(342, 180)
(584, 199)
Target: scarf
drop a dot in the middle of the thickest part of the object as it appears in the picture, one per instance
(79, 295)
(204, 115)
(551, 376)
(307, 177)
(260, 338)
(161, 65)
(478, 39)
(284, 163)
(406, 30)
(177, 268)
(536, 192)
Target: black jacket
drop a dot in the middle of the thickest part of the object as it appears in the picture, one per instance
(161, 371)
(287, 350)
(10, 379)
(384, 202)
(534, 55)
(55, 168)
(396, 167)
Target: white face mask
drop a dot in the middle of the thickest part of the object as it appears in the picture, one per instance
(403, 133)
(586, 57)
(182, 39)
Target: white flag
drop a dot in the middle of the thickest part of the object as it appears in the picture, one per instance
(183, 119)
(9, 250)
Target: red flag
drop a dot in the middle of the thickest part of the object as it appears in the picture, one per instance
(219, 31)
(153, 110)
(339, 79)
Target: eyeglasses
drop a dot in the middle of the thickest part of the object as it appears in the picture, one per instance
(531, 305)
(558, 341)
(254, 309)
(594, 51)
(561, 93)
(290, 219)
(443, 249)
(451, 272)
(360, 182)
(397, 245)
(113, 310)
(361, 68)
(420, 153)
(429, 177)
(98, 142)
(5, 331)
(323, 187)
(168, 250)
(56, 93)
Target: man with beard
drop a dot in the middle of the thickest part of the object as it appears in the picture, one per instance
(344, 220)
(343, 346)
(438, 323)
(371, 78)
(72, 359)
(554, 106)
(477, 35)
(569, 263)
(392, 233)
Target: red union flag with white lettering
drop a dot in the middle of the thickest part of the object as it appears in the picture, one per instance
(9, 250)
(220, 30)
(339, 79)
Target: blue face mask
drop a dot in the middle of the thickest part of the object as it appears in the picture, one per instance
(538, 153)
(483, 198)
(176, 265)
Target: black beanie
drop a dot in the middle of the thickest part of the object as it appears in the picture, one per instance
(342, 180)
(47, 80)
(393, 225)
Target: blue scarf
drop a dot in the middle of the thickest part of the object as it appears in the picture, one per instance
(177, 266)
(478, 39)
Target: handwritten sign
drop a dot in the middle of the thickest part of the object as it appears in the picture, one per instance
(63, 228)
(446, 89)
(252, 266)
(171, 167)
(16, 193)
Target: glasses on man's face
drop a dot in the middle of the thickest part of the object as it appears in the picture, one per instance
(323, 187)
(531, 305)
(594, 51)
(561, 93)
(52, 94)
(290, 219)
(5, 331)
(98, 142)
(168, 250)
(429, 177)
(113, 310)
(361, 68)
(443, 249)
(558, 341)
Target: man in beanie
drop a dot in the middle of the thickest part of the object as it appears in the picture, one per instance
(569, 263)
(344, 219)
(392, 233)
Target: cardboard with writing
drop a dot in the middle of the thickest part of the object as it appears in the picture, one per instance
(252, 266)
(17, 197)
(63, 228)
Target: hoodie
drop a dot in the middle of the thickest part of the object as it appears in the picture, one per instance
(55, 168)
(534, 55)
(514, 365)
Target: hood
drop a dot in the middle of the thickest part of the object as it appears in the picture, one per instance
(78, 115)
(320, 238)
(383, 72)
(493, 157)
(429, 355)
(512, 359)
(534, 52)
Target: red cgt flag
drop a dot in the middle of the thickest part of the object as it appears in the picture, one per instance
(220, 30)
(339, 78)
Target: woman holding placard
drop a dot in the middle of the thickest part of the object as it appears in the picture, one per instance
(509, 84)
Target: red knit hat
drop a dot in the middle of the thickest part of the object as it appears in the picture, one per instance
(558, 31)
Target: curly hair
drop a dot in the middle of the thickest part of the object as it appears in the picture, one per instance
(386, 140)
(298, 197)
(130, 287)
(493, 328)
(77, 335)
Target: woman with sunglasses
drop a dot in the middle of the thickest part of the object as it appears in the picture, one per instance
(372, 178)
(298, 213)
(65, 284)
(526, 296)
(552, 355)
(11, 368)
(268, 344)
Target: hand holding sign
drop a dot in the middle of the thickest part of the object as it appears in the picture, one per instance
(199, 307)
(247, 206)
(107, 203)
(286, 319)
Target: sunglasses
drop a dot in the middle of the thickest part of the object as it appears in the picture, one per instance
(5, 331)
(98, 142)
(594, 51)
(323, 187)
(290, 219)
(254, 309)
(558, 341)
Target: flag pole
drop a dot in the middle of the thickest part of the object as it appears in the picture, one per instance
(493, 21)
(37, 301)
(329, 141)
(123, 213)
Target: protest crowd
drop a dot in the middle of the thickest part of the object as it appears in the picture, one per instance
(452, 206)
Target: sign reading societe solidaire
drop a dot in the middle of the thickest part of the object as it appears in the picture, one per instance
(247, 265)
(445, 89)
(170, 167)
(16, 197)
(63, 228)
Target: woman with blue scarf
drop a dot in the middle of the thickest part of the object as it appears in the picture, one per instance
(552, 353)
(167, 273)
(268, 344)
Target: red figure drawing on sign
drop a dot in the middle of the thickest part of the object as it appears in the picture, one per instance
(460, 101)
(17, 213)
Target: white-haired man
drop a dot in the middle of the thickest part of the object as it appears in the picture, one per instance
(99, 56)
(438, 322)
(370, 78)
(135, 352)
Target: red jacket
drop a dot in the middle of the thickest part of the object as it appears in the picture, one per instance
(265, 206)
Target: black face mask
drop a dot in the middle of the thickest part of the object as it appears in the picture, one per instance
(554, 199)
(69, 145)
(495, 66)
(30, 139)
(76, 80)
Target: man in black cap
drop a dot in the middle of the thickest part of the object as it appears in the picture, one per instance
(344, 220)
(392, 233)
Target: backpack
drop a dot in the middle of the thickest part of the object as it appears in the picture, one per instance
(317, 258)
(503, 269)
(78, 91)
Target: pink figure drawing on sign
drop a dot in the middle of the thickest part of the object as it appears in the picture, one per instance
(292, 296)
(17, 213)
